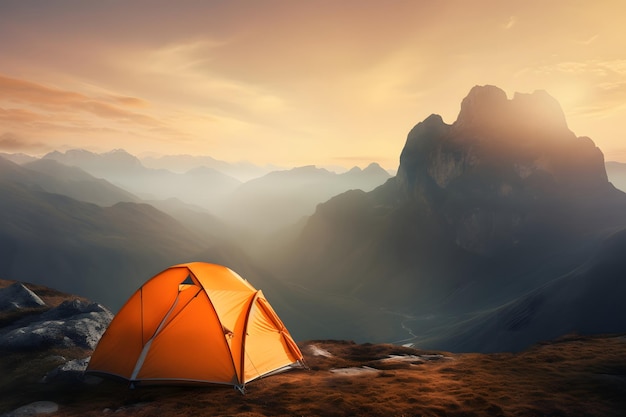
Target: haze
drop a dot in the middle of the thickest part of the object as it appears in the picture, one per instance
(294, 83)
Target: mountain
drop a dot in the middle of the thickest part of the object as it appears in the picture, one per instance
(74, 182)
(482, 212)
(616, 172)
(263, 204)
(201, 186)
(586, 300)
(243, 171)
(53, 177)
(104, 253)
(195, 218)
(116, 163)
(51, 231)
(281, 198)
(18, 158)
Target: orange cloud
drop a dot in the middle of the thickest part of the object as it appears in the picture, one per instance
(131, 101)
(50, 99)
(12, 142)
(18, 116)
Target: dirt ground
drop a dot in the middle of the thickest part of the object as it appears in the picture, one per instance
(575, 376)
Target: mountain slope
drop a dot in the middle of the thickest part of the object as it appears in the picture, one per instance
(281, 198)
(243, 171)
(201, 186)
(587, 300)
(101, 252)
(18, 158)
(483, 211)
(77, 184)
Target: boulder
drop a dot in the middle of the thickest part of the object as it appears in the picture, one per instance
(71, 372)
(34, 409)
(72, 323)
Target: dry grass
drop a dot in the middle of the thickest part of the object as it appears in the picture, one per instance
(571, 377)
(48, 295)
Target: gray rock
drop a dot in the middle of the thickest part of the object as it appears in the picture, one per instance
(73, 323)
(72, 371)
(33, 409)
(17, 296)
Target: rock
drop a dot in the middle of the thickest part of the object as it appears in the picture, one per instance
(485, 107)
(355, 371)
(72, 371)
(73, 323)
(33, 409)
(486, 175)
(17, 296)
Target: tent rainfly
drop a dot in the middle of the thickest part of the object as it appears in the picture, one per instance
(198, 323)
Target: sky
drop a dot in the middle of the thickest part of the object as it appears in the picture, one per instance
(292, 83)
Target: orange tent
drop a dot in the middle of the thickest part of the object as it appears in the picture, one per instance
(195, 322)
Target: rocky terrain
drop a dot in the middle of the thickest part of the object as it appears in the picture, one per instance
(572, 376)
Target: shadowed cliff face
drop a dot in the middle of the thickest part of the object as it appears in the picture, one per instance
(486, 175)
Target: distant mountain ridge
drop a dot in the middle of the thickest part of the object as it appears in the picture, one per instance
(204, 186)
(243, 171)
(100, 252)
(67, 228)
(260, 205)
(284, 197)
(53, 177)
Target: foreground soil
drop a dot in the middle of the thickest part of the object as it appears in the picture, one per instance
(575, 376)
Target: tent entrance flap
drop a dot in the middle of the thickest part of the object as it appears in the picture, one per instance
(187, 283)
(146, 348)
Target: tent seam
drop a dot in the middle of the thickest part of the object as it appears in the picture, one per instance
(240, 383)
(245, 333)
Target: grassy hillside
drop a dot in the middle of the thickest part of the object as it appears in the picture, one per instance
(570, 377)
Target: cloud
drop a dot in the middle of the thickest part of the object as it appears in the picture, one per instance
(22, 91)
(131, 101)
(589, 67)
(510, 23)
(54, 100)
(590, 40)
(37, 110)
(591, 88)
(604, 99)
(18, 116)
(11, 142)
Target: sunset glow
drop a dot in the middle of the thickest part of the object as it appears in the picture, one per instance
(295, 83)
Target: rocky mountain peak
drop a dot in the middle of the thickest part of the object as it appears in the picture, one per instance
(483, 106)
(498, 156)
(486, 111)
